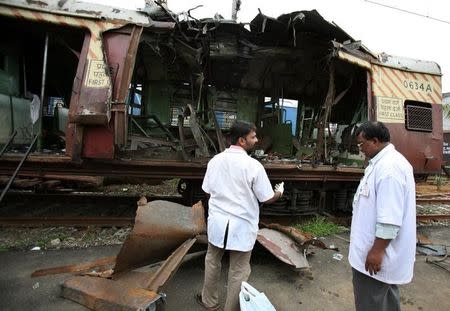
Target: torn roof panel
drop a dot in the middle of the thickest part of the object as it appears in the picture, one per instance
(302, 21)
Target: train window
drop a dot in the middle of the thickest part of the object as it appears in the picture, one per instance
(135, 100)
(175, 112)
(418, 116)
(225, 119)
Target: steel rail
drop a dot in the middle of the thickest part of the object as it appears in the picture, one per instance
(128, 221)
(87, 196)
(439, 200)
(431, 217)
(10, 139)
(433, 195)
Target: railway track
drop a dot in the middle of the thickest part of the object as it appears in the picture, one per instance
(28, 209)
(93, 209)
(432, 200)
(129, 221)
(432, 217)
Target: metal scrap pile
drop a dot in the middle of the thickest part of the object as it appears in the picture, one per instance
(163, 233)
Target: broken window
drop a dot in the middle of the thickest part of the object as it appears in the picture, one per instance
(38, 59)
(200, 78)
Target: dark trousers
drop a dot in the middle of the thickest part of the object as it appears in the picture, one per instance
(374, 295)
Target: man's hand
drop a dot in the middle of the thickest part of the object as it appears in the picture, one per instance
(373, 261)
(279, 187)
(375, 255)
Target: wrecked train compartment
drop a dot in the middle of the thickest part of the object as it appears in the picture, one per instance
(153, 94)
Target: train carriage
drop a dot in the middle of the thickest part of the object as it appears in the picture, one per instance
(95, 90)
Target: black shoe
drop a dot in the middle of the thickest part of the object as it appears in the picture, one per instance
(198, 298)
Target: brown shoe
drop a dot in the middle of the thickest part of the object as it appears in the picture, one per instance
(198, 298)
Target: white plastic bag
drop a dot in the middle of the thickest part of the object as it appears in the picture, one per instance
(252, 300)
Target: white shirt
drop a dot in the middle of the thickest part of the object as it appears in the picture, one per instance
(386, 194)
(236, 182)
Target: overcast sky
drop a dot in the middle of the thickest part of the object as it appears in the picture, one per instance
(380, 29)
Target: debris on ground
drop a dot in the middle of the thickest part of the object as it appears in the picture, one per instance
(436, 254)
(338, 256)
(162, 230)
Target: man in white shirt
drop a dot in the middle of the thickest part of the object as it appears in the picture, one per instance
(236, 183)
(383, 232)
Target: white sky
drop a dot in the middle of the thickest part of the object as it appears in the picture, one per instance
(379, 28)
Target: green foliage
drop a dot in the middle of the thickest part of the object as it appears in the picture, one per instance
(172, 183)
(439, 181)
(320, 226)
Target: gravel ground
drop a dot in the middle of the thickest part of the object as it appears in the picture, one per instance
(432, 209)
(167, 187)
(71, 237)
(60, 237)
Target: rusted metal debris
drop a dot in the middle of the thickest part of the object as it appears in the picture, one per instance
(426, 247)
(77, 268)
(288, 244)
(128, 291)
(160, 227)
(283, 247)
(422, 239)
(107, 295)
(301, 238)
(168, 268)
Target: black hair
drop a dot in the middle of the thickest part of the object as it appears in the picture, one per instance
(240, 129)
(373, 129)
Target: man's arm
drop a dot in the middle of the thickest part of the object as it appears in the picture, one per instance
(275, 197)
(384, 234)
(389, 206)
(279, 189)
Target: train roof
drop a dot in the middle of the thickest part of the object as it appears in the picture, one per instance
(85, 10)
(268, 29)
(408, 64)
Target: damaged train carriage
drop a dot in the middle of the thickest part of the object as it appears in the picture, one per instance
(153, 94)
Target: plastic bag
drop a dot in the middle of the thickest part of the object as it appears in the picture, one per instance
(252, 300)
